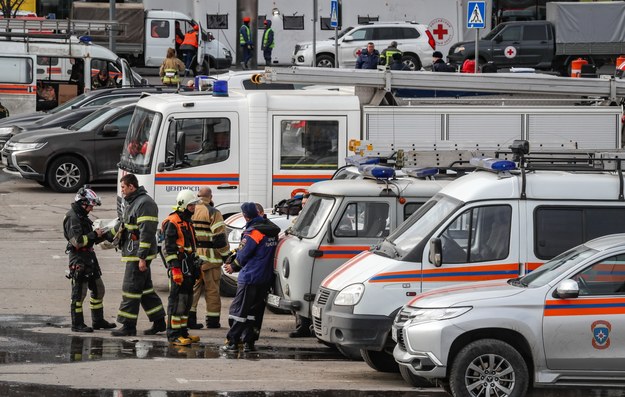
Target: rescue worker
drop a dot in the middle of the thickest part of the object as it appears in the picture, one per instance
(369, 57)
(246, 43)
(268, 42)
(387, 55)
(4, 112)
(135, 233)
(102, 80)
(170, 67)
(179, 251)
(84, 269)
(212, 248)
(254, 258)
(179, 37)
(439, 65)
(189, 47)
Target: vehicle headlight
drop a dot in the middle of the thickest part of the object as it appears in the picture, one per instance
(27, 146)
(304, 47)
(419, 316)
(458, 49)
(6, 130)
(227, 53)
(350, 295)
(235, 236)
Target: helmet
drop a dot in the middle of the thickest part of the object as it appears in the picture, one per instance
(87, 196)
(196, 27)
(246, 19)
(184, 198)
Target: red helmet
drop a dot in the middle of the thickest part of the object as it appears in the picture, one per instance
(246, 19)
(196, 27)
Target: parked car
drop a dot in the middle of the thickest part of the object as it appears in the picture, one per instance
(66, 158)
(559, 325)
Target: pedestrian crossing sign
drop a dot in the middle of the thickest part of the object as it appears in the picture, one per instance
(476, 15)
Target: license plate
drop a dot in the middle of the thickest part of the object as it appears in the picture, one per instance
(394, 333)
(273, 300)
(316, 311)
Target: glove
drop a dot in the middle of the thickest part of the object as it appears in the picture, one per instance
(176, 275)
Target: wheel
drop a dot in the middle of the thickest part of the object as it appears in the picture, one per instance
(412, 62)
(66, 174)
(488, 368)
(349, 352)
(380, 360)
(325, 61)
(201, 69)
(227, 286)
(412, 379)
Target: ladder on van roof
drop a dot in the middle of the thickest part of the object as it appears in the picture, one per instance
(28, 29)
(386, 80)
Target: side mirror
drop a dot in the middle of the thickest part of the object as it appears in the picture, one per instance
(144, 82)
(180, 146)
(110, 130)
(567, 289)
(436, 252)
(348, 38)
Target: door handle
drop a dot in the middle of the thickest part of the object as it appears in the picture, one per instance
(227, 187)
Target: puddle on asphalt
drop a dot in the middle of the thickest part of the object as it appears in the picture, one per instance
(19, 345)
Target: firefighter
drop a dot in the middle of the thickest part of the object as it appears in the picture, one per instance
(212, 248)
(84, 270)
(386, 57)
(179, 251)
(189, 48)
(246, 43)
(135, 234)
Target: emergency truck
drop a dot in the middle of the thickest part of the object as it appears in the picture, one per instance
(495, 223)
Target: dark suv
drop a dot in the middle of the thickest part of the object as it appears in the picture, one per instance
(66, 158)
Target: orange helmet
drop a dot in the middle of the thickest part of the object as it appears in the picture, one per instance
(246, 19)
(196, 27)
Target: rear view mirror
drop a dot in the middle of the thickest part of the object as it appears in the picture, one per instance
(436, 252)
(348, 38)
(567, 289)
(180, 146)
(110, 130)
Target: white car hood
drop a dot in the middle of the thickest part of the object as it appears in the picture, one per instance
(461, 294)
(358, 270)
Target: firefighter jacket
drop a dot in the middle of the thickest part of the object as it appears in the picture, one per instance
(256, 251)
(210, 232)
(78, 231)
(179, 244)
(137, 227)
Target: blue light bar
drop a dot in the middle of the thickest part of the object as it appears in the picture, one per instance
(491, 164)
(85, 39)
(376, 171)
(220, 88)
(421, 172)
(361, 160)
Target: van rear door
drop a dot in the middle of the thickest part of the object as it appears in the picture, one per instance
(18, 84)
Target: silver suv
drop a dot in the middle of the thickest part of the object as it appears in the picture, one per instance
(413, 39)
(560, 325)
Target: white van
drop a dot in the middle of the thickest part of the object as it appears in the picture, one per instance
(486, 225)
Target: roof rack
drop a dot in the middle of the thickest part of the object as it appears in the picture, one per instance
(57, 28)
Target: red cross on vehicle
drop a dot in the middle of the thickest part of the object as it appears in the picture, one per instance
(440, 31)
(510, 51)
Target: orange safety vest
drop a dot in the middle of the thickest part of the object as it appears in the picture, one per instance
(180, 224)
(190, 38)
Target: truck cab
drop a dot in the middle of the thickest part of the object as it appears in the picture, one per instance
(511, 44)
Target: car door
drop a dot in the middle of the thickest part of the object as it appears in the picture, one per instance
(108, 148)
(159, 36)
(506, 46)
(349, 50)
(585, 333)
(535, 46)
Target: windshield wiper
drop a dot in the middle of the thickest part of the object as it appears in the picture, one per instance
(516, 282)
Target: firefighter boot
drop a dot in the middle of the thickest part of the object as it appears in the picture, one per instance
(157, 326)
(212, 322)
(78, 321)
(125, 330)
(98, 321)
(192, 321)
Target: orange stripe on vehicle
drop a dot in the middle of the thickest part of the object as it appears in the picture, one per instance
(455, 274)
(345, 266)
(584, 307)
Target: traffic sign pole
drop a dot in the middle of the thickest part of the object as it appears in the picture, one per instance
(477, 38)
(334, 23)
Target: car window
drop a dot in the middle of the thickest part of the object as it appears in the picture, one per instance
(309, 144)
(207, 140)
(511, 33)
(364, 219)
(537, 32)
(122, 123)
(604, 278)
(362, 34)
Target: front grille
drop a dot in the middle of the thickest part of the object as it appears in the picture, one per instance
(317, 325)
(322, 298)
(400, 339)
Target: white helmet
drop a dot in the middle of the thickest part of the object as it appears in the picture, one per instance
(184, 198)
(87, 196)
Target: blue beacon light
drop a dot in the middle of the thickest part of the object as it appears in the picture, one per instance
(376, 171)
(493, 164)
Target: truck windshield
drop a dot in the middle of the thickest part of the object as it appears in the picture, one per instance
(421, 223)
(555, 267)
(313, 216)
(140, 141)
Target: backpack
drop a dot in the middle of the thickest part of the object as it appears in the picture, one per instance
(291, 206)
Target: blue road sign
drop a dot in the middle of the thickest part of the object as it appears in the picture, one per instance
(334, 13)
(476, 15)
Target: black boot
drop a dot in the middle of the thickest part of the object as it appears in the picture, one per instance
(303, 328)
(125, 330)
(98, 321)
(78, 321)
(212, 322)
(157, 326)
(192, 321)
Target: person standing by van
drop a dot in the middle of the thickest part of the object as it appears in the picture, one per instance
(245, 40)
(189, 47)
(170, 67)
(268, 42)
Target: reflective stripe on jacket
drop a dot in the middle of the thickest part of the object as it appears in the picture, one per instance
(210, 232)
(268, 41)
(190, 38)
(245, 36)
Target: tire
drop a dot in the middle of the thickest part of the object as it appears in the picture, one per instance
(412, 379)
(325, 61)
(471, 367)
(412, 62)
(380, 360)
(66, 174)
(349, 352)
(201, 69)
(227, 287)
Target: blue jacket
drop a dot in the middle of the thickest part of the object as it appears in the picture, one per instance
(256, 251)
(366, 61)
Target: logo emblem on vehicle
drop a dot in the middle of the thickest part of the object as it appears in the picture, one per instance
(601, 334)
(442, 30)
(510, 52)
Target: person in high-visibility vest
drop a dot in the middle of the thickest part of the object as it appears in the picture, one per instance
(387, 55)
(245, 40)
(189, 47)
(268, 42)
